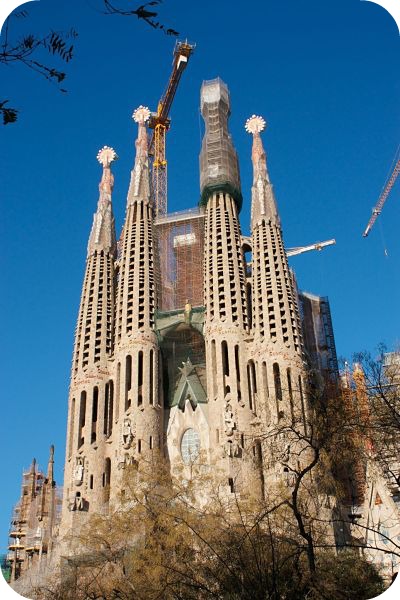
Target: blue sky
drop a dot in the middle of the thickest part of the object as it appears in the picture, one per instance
(325, 77)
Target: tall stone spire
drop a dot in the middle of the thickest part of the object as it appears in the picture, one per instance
(139, 188)
(231, 404)
(32, 478)
(136, 353)
(219, 167)
(50, 467)
(277, 346)
(136, 286)
(102, 236)
(263, 204)
(94, 333)
(91, 395)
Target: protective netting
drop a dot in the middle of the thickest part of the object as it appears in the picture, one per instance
(179, 244)
(219, 167)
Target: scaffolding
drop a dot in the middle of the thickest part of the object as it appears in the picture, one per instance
(33, 520)
(318, 334)
(179, 242)
(219, 166)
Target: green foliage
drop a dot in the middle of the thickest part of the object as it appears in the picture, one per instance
(30, 51)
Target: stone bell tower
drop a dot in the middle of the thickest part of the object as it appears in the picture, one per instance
(277, 347)
(91, 396)
(139, 407)
(231, 406)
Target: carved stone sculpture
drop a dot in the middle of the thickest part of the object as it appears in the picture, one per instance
(127, 436)
(79, 470)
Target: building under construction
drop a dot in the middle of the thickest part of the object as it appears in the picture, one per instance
(189, 340)
(35, 520)
(189, 343)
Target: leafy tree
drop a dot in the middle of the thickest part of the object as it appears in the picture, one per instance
(145, 12)
(377, 385)
(31, 52)
(191, 540)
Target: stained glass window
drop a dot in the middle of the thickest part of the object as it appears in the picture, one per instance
(190, 446)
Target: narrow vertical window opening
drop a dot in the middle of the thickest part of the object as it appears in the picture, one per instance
(82, 417)
(117, 391)
(289, 380)
(140, 379)
(71, 427)
(214, 367)
(237, 366)
(151, 377)
(95, 404)
(128, 380)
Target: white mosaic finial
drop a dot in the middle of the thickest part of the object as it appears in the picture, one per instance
(106, 156)
(255, 124)
(141, 114)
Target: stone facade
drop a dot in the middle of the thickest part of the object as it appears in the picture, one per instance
(189, 349)
(185, 347)
(185, 380)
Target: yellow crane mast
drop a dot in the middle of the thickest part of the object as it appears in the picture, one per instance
(159, 122)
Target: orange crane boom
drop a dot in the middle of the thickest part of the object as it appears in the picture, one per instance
(160, 123)
(382, 198)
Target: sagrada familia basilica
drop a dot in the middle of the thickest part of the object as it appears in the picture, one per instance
(191, 340)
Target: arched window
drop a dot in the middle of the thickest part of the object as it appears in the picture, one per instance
(289, 381)
(140, 379)
(128, 380)
(237, 367)
(71, 426)
(95, 406)
(82, 417)
(265, 379)
(303, 408)
(214, 367)
(151, 391)
(190, 446)
(108, 408)
(252, 384)
(277, 381)
(117, 391)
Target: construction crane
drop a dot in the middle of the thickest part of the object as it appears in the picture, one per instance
(246, 244)
(385, 193)
(317, 246)
(160, 123)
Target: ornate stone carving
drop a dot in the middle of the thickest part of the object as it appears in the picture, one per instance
(77, 503)
(125, 460)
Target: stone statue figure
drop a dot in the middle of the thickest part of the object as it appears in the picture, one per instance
(188, 312)
(76, 502)
(229, 422)
(127, 436)
(78, 472)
